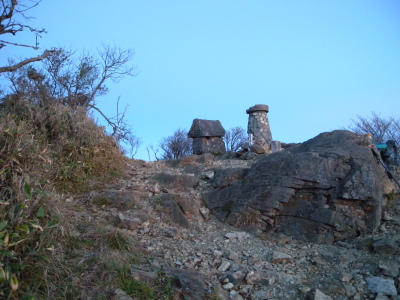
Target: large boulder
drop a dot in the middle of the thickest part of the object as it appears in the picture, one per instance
(327, 189)
(177, 182)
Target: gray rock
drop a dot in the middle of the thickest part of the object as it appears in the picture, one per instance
(228, 286)
(224, 177)
(346, 277)
(280, 258)
(381, 285)
(190, 162)
(275, 146)
(321, 296)
(121, 295)
(236, 277)
(304, 289)
(389, 268)
(173, 210)
(172, 232)
(224, 266)
(385, 246)
(236, 235)
(257, 149)
(351, 291)
(155, 188)
(381, 296)
(208, 175)
(189, 283)
(214, 145)
(232, 255)
(205, 212)
(261, 294)
(327, 189)
(143, 276)
(257, 277)
(179, 182)
(206, 128)
(130, 224)
(250, 155)
(119, 197)
(233, 295)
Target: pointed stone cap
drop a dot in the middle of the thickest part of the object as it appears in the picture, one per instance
(257, 107)
(206, 128)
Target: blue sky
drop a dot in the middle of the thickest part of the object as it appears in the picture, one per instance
(317, 64)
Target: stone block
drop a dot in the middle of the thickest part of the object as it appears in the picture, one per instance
(275, 146)
(381, 285)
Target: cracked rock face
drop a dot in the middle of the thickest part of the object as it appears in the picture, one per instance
(327, 189)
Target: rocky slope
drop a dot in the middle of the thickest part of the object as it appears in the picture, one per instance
(160, 205)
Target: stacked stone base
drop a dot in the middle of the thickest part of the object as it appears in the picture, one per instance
(213, 145)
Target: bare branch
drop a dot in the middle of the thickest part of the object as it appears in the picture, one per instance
(112, 124)
(26, 61)
(10, 25)
(8, 15)
(22, 45)
(114, 66)
(134, 144)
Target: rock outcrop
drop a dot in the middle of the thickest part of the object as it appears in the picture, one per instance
(199, 257)
(327, 189)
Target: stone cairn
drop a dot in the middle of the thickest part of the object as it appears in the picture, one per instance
(260, 137)
(259, 130)
(258, 126)
(207, 137)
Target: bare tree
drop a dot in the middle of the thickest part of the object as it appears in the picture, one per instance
(176, 145)
(64, 79)
(134, 144)
(74, 81)
(11, 11)
(380, 128)
(155, 151)
(87, 75)
(77, 83)
(234, 138)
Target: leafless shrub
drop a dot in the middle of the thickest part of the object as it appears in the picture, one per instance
(176, 145)
(234, 138)
(76, 83)
(380, 128)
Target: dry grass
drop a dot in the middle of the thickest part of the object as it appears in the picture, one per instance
(44, 152)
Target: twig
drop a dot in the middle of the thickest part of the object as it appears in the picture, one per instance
(26, 61)
(22, 45)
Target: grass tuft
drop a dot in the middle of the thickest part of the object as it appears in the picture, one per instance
(46, 151)
(116, 239)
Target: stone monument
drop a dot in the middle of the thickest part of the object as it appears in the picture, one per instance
(207, 137)
(258, 126)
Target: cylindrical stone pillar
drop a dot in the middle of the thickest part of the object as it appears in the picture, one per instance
(258, 126)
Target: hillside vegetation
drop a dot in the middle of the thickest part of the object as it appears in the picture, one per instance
(45, 152)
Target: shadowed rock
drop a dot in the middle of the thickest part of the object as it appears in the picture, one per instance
(328, 188)
(179, 182)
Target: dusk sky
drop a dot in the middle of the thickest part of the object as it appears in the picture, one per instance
(317, 64)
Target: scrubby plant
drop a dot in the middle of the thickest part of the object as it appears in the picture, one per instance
(115, 239)
(140, 290)
(44, 150)
(160, 289)
(101, 200)
(250, 217)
